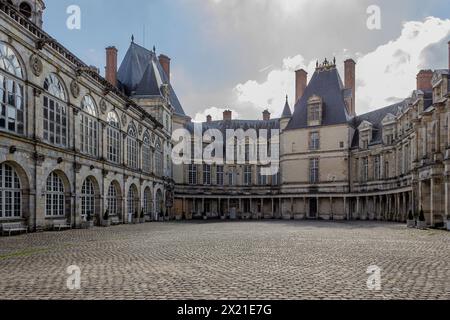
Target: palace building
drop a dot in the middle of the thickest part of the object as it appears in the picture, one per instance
(74, 144)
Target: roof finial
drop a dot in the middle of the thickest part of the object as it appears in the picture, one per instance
(154, 48)
(132, 38)
(334, 60)
(287, 98)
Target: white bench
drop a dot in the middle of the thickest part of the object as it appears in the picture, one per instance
(61, 224)
(14, 227)
(114, 220)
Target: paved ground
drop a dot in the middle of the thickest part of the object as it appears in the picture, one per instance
(229, 260)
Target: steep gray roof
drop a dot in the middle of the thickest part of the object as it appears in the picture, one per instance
(287, 110)
(223, 125)
(375, 118)
(327, 84)
(140, 74)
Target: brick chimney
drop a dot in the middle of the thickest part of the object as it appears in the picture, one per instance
(350, 83)
(208, 118)
(227, 115)
(111, 65)
(266, 115)
(165, 63)
(301, 80)
(424, 80)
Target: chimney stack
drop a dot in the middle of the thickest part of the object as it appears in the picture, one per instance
(266, 115)
(301, 80)
(111, 65)
(165, 63)
(208, 119)
(350, 83)
(424, 80)
(227, 115)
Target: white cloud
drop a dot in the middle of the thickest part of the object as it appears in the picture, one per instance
(385, 75)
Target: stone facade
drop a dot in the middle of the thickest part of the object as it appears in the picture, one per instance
(31, 153)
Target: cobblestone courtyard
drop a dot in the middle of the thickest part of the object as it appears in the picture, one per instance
(228, 260)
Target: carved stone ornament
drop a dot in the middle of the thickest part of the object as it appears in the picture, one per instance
(124, 119)
(103, 106)
(75, 88)
(36, 65)
(140, 129)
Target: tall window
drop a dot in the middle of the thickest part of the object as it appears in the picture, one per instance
(192, 172)
(89, 127)
(247, 175)
(314, 114)
(132, 148)
(113, 134)
(54, 197)
(113, 207)
(159, 159)
(219, 175)
(387, 174)
(206, 174)
(133, 200)
(148, 202)
(231, 177)
(55, 112)
(10, 193)
(262, 178)
(12, 104)
(314, 171)
(314, 141)
(146, 154)
(87, 198)
(377, 167)
(365, 169)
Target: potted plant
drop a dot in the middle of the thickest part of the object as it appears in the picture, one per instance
(88, 223)
(421, 224)
(142, 217)
(448, 222)
(411, 223)
(136, 217)
(205, 216)
(222, 216)
(106, 222)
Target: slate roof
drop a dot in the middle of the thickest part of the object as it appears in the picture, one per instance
(141, 75)
(327, 84)
(287, 110)
(375, 118)
(223, 125)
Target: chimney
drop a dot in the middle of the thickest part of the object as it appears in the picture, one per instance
(449, 54)
(165, 63)
(266, 115)
(111, 65)
(350, 83)
(424, 80)
(208, 118)
(301, 79)
(227, 115)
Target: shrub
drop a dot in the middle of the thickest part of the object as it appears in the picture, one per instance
(410, 215)
(106, 215)
(422, 216)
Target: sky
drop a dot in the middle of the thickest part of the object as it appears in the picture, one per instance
(242, 54)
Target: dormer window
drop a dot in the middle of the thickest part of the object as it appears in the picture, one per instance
(314, 111)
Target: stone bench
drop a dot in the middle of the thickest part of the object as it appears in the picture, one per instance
(12, 227)
(61, 224)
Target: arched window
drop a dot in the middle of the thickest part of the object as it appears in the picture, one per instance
(132, 148)
(54, 198)
(146, 154)
(25, 9)
(88, 198)
(113, 201)
(89, 127)
(133, 201)
(159, 204)
(148, 202)
(159, 159)
(55, 112)
(12, 104)
(113, 134)
(10, 193)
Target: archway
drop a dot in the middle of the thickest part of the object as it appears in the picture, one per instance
(159, 204)
(90, 200)
(132, 203)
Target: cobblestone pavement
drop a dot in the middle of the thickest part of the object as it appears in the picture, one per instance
(229, 260)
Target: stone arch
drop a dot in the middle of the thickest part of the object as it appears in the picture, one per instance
(21, 61)
(67, 192)
(159, 203)
(133, 205)
(87, 196)
(119, 199)
(24, 182)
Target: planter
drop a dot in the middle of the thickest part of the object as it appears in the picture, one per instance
(448, 225)
(222, 217)
(106, 223)
(141, 220)
(411, 223)
(422, 225)
(135, 221)
(298, 217)
(178, 218)
(87, 224)
(148, 218)
(287, 217)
